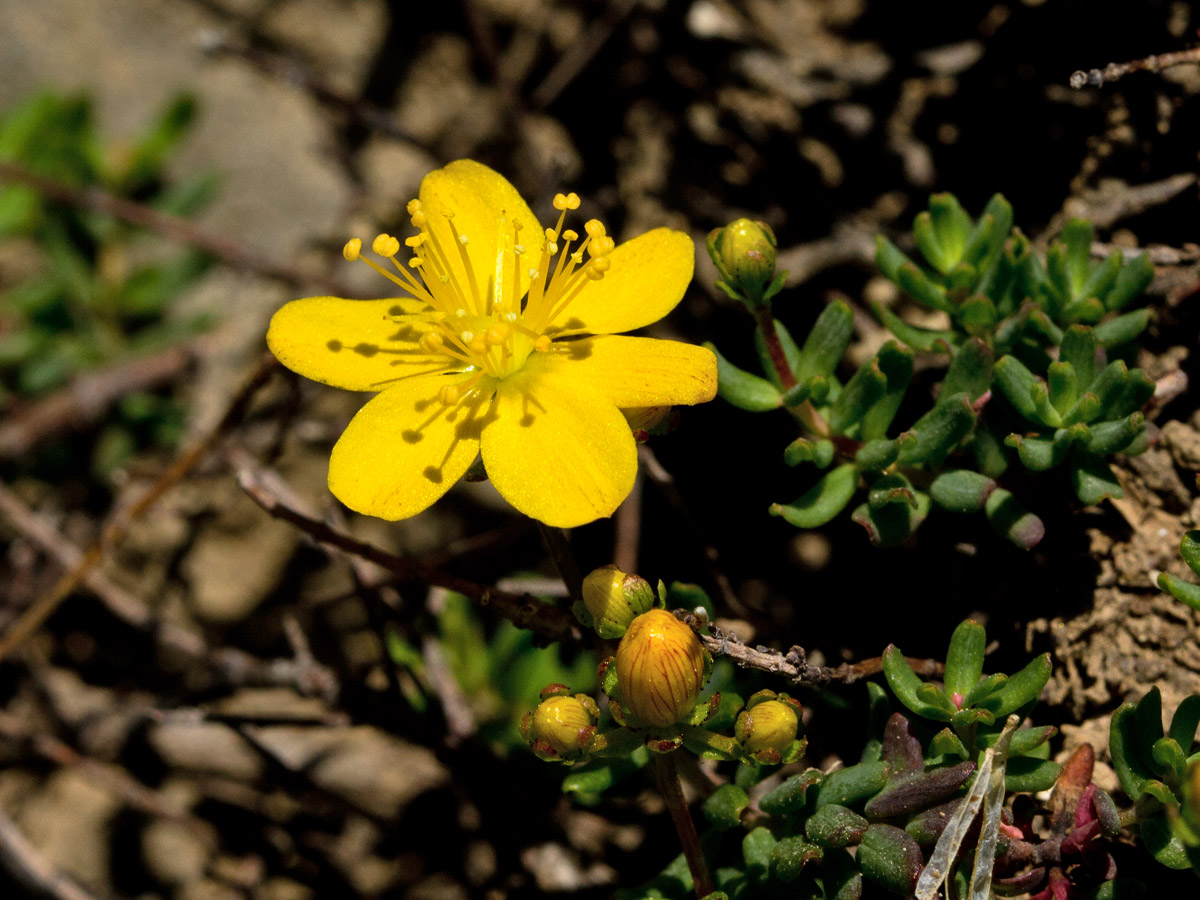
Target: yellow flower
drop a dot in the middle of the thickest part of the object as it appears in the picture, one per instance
(660, 668)
(505, 344)
(770, 725)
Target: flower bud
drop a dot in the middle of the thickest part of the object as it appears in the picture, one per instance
(660, 669)
(613, 599)
(562, 727)
(744, 253)
(770, 725)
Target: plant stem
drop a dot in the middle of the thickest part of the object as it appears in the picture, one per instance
(804, 411)
(555, 542)
(667, 776)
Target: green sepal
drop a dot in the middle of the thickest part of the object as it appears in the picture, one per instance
(939, 431)
(905, 684)
(1168, 757)
(724, 806)
(742, 389)
(964, 658)
(1012, 520)
(1115, 436)
(802, 450)
(961, 490)
(1028, 774)
(1189, 549)
(896, 363)
(1020, 689)
(1041, 453)
(1163, 845)
(985, 688)
(1185, 721)
(925, 339)
(917, 285)
(757, 847)
(826, 343)
(823, 500)
(835, 826)
(1135, 277)
(852, 784)
(791, 353)
(1122, 329)
(1181, 590)
(892, 523)
(790, 855)
(946, 743)
(791, 796)
(598, 776)
(877, 455)
(1079, 351)
(1093, 479)
(970, 370)
(889, 857)
(864, 389)
(1016, 383)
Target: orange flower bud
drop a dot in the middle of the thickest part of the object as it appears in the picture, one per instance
(770, 725)
(660, 668)
(564, 725)
(613, 599)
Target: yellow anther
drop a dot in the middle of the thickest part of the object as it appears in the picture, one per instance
(601, 246)
(594, 227)
(572, 201)
(478, 344)
(418, 219)
(593, 272)
(551, 235)
(518, 249)
(352, 249)
(600, 264)
(542, 344)
(532, 273)
(385, 245)
(467, 336)
(517, 224)
(560, 201)
(551, 249)
(432, 343)
(570, 235)
(415, 241)
(413, 207)
(498, 334)
(416, 262)
(448, 395)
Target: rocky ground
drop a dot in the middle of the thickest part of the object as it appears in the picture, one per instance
(256, 744)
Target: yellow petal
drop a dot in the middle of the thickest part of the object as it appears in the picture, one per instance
(405, 449)
(479, 198)
(633, 371)
(356, 345)
(562, 454)
(646, 280)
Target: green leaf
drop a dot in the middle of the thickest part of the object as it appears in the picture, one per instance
(961, 490)
(988, 450)
(1169, 758)
(1185, 721)
(896, 363)
(1101, 277)
(599, 775)
(1086, 408)
(970, 370)
(827, 342)
(917, 285)
(952, 226)
(1046, 413)
(757, 847)
(802, 450)
(977, 315)
(1181, 590)
(986, 240)
(1079, 351)
(1113, 437)
(1189, 549)
(791, 353)
(1041, 453)
(724, 806)
(1163, 845)
(1020, 689)
(939, 431)
(1093, 479)
(823, 500)
(905, 684)
(791, 855)
(743, 390)
(927, 242)
(1122, 329)
(924, 339)
(1126, 736)
(964, 658)
(790, 796)
(891, 858)
(892, 523)
(874, 456)
(1077, 254)
(986, 688)
(1024, 740)
(1026, 774)
(891, 489)
(1063, 385)
(1118, 889)
(864, 389)
(947, 743)
(1135, 277)
(835, 826)
(1012, 520)
(1016, 383)
(889, 258)
(852, 784)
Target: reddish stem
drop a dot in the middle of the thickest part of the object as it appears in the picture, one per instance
(667, 775)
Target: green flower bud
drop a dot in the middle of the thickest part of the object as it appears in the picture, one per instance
(562, 727)
(612, 599)
(767, 727)
(744, 254)
(660, 669)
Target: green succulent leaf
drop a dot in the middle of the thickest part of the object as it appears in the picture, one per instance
(964, 658)
(742, 389)
(905, 684)
(864, 389)
(835, 826)
(1181, 590)
(1021, 689)
(790, 855)
(1134, 278)
(939, 431)
(926, 340)
(876, 455)
(1113, 437)
(896, 363)
(918, 285)
(1184, 723)
(1093, 479)
(1079, 351)
(970, 370)
(757, 847)
(1026, 774)
(889, 258)
(1163, 845)
(1016, 382)
(852, 784)
(1189, 549)
(827, 342)
(1122, 329)
(961, 490)
(892, 523)
(1012, 520)
(805, 450)
(1041, 453)
(823, 500)
(1168, 758)
(947, 743)
(598, 776)
(724, 806)
(790, 796)
(889, 857)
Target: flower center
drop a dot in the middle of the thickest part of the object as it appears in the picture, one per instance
(490, 331)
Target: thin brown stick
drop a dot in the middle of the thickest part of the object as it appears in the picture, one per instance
(794, 665)
(1155, 63)
(522, 610)
(231, 253)
(119, 523)
(86, 398)
(667, 776)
